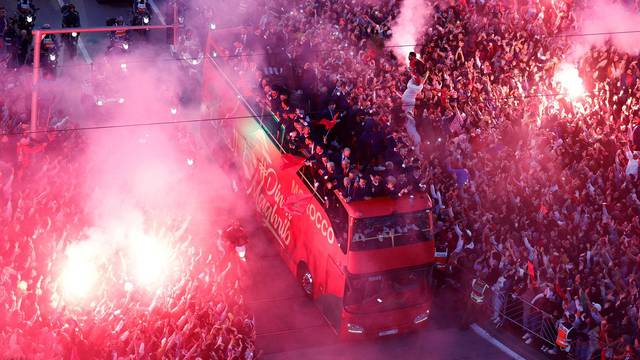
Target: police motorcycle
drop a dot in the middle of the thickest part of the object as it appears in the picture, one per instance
(118, 39)
(141, 15)
(189, 51)
(169, 15)
(70, 19)
(11, 42)
(232, 242)
(26, 14)
(48, 54)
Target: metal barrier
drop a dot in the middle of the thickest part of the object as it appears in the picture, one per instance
(524, 315)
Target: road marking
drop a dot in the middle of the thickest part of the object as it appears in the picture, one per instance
(85, 53)
(83, 49)
(156, 10)
(485, 335)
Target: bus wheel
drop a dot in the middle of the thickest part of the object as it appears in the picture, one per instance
(306, 280)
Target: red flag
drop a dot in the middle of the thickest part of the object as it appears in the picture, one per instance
(543, 209)
(329, 124)
(296, 203)
(291, 161)
(532, 272)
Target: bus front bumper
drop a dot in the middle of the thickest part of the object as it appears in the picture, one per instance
(385, 323)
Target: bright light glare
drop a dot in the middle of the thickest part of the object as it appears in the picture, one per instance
(174, 111)
(74, 34)
(212, 26)
(151, 259)
(145, 20)
(241, 251)
(121, 100)
(52, 57)
(569, 80)
(79, 277)
(123, 66)
(125, 46)
(29, 19)
(99, 103)
(22, 285)
(189, 161)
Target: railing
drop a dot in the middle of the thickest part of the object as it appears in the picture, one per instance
(269, 122)
(524, 315)
(528, 318)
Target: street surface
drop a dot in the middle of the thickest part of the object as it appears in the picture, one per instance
(289, 326)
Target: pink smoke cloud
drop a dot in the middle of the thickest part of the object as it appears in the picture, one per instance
(409, 27)
(608, 17)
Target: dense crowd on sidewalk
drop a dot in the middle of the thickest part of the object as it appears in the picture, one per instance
(200, 314)
(535, 191)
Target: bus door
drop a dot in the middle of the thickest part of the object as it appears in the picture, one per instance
(330, 301)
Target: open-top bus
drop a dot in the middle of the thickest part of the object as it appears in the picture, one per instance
(367, 263)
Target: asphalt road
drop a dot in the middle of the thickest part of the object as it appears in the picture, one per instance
(94, 14)
(289, 326)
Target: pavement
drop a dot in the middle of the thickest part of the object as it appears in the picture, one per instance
(289, 326)
(93, 14)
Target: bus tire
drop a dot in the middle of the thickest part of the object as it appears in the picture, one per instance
(305, 279)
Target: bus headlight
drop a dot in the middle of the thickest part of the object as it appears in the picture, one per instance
(355, 329)
(421, 317)
(74, 34)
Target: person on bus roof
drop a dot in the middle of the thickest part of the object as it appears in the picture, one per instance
(362, 190)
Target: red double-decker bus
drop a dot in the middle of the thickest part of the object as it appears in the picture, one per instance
(366, 264)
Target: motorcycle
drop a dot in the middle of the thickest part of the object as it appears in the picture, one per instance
(11, 40)
(237, 260)
(26, 20)
(70, 19)
(118, 40)
(141, 16)
(190, 53)
(49, 57)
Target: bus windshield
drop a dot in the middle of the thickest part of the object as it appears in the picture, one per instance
(390, 231)
(386, 291)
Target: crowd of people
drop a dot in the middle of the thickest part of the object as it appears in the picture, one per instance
(534, 190)
(199, 313)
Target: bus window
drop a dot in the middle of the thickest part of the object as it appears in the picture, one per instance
(390, 231)
(339, 219)
(392, 290)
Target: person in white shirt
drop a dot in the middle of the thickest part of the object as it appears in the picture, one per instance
(632, 165)
(414, 86)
